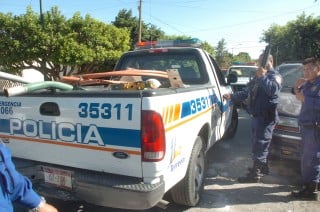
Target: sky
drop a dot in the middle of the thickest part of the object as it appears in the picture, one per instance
(240, 23)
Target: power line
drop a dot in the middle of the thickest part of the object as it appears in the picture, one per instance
(232, 25)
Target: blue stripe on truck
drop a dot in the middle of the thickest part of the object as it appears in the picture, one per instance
(72, 133)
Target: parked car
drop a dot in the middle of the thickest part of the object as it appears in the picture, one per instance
(244, 74)
(286, 136)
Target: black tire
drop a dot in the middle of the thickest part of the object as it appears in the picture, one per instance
(189, 189)
(232, 129)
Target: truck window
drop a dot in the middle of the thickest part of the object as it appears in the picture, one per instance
(188, 65)
(219, 73)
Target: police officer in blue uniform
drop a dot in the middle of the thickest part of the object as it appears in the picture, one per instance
(17, 188)
(307, 90)
(261, 97)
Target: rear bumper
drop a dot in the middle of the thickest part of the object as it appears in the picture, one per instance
(285, 145)
(96, 187)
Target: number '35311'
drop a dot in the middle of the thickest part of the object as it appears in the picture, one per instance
(105, 111)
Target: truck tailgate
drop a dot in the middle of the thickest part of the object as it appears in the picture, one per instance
(96, 133)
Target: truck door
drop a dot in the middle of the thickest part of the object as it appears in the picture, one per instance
(225, 106)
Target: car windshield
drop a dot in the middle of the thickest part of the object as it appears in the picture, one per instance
(290, 73)
(243, 71)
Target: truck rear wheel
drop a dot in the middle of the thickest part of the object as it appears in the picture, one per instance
(188, 190)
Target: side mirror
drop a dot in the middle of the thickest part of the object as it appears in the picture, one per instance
(232, 78)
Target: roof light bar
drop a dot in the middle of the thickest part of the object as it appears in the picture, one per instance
(193, 42)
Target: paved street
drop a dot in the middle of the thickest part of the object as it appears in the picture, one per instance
(227, 161)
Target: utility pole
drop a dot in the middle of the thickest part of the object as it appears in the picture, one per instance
(41, 15)
(139, 24)
(43, 62)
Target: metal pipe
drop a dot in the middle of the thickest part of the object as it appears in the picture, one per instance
(12, 77)
(14, 91)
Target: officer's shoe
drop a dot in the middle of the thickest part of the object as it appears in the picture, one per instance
(264, 169)
(308, 192)
(253, 176)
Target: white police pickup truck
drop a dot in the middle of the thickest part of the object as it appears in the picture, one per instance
(126, 138)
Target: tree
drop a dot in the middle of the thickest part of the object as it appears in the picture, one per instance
(297, 40)
(149, 32)
(243, 57)
(94, 44)
(223, 58)
(210, 49)
(124, 19)
(60, 46)
(19, 40)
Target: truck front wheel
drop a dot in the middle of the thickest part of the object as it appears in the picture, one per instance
(188, 190)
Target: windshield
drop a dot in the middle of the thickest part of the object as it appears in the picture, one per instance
(243, 71)
(188, 64)
(290, 73)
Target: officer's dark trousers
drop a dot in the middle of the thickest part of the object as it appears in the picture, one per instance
(310, 154)
(262, 129)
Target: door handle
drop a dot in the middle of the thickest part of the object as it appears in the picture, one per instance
(49, 109)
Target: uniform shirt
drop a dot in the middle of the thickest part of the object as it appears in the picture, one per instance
(310, 108)
(267, 94)
(14, 186)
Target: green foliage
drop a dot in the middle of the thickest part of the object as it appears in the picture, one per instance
(19, 40)
(297, 40)
(125, 20)
(78, 45)
(243, 57)
(210, 49)
(151, 32)
(92, 43)
(223, 57)
(60, 46)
